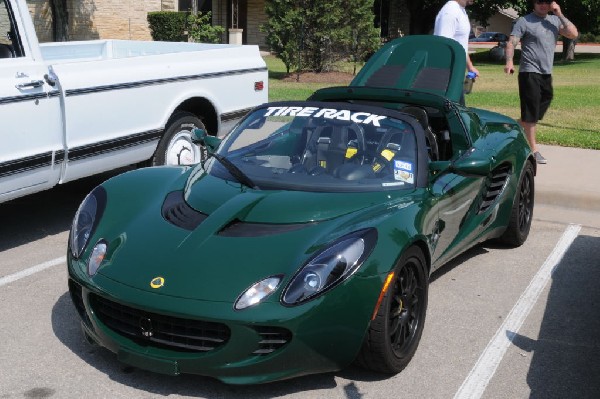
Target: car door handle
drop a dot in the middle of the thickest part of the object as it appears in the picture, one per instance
(30, 85)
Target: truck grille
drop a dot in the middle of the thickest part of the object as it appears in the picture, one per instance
(183, 335)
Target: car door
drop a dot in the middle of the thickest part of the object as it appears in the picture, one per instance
(30, 113)
(458, 197)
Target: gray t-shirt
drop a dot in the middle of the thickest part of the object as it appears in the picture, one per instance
(538, 42)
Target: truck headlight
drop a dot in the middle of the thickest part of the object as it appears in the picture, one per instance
(330, 267)
(86, 218)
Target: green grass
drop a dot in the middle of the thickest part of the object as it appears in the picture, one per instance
(573, 119)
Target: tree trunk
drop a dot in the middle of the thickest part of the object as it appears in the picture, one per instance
(60, 20)
(568, 53)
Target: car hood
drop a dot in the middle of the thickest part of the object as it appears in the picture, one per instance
(245, 236)
(425, 63)
(211, 195)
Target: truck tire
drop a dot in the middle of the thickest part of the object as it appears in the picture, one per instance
(176, 147)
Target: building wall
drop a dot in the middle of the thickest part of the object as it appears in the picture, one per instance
(256, 17)
(42, 19)
(100, 19)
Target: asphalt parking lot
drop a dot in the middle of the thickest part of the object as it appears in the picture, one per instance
(501, 322)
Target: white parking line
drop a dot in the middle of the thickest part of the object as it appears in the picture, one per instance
(32, 270)
(483, 371)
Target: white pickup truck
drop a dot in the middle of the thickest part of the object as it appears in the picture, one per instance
(75, 109)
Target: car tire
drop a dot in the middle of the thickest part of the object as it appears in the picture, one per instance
(176, 146)
(522, 210)
(394, 333)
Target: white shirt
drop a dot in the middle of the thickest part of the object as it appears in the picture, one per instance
(453, 22)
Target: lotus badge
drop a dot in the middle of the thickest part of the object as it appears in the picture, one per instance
(157, 282)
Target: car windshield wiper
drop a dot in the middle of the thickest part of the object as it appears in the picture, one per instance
(236, 172)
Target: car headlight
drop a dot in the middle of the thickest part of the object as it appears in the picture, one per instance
(257, 292)
(330, 267)
(85, 220)
(97, 256)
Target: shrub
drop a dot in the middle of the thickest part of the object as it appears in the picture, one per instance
(200, 28)
(313, 35)
(589, 38)
(168, 26)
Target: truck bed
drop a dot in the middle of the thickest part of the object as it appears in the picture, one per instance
(95, 50)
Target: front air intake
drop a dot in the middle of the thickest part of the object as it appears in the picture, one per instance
(177, 212)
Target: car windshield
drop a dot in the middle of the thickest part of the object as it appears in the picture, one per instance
(322, 147)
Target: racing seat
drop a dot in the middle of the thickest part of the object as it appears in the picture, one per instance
(421, 115)
(327, 147)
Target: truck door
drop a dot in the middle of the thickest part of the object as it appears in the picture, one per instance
(31, 143)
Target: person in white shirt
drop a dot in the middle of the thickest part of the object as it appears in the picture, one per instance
(452, 22)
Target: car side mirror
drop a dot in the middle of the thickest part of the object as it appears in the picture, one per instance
(469, 165)
(472, 166)
(201, 137)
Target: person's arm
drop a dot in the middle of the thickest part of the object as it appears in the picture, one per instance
(567, 28)
(512, 42)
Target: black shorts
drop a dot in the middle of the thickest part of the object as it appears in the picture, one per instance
(535, 92)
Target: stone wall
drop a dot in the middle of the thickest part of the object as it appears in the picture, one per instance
(256, 17)
(100, 19)
(42, 19)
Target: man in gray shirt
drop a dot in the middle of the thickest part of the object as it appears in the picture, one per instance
(538, 33)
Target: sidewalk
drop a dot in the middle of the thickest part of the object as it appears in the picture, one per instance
(568, 186)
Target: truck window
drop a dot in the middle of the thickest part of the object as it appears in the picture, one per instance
(9, 46)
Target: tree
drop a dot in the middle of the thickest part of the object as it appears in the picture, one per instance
(201, 30)
(60, 20)
(314, 34)
(362, 37)
(284, 30)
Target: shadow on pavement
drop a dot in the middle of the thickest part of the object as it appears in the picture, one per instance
(566, 355)
(43, 214)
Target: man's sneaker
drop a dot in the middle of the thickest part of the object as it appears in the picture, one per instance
(539, 158)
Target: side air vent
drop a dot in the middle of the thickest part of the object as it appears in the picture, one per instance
(494, 187)
(272, 339)
(76, 293)
(177, 212)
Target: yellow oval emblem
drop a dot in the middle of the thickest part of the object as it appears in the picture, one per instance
(157, 282)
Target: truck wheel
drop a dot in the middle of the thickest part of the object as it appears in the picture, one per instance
(176, 147)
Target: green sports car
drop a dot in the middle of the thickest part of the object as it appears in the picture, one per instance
(305, 240)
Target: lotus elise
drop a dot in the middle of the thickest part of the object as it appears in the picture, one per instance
(304, 241)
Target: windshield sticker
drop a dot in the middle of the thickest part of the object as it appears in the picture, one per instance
(327, 113)
(403, 171)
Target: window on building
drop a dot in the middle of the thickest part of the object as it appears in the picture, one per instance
(203, 5)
